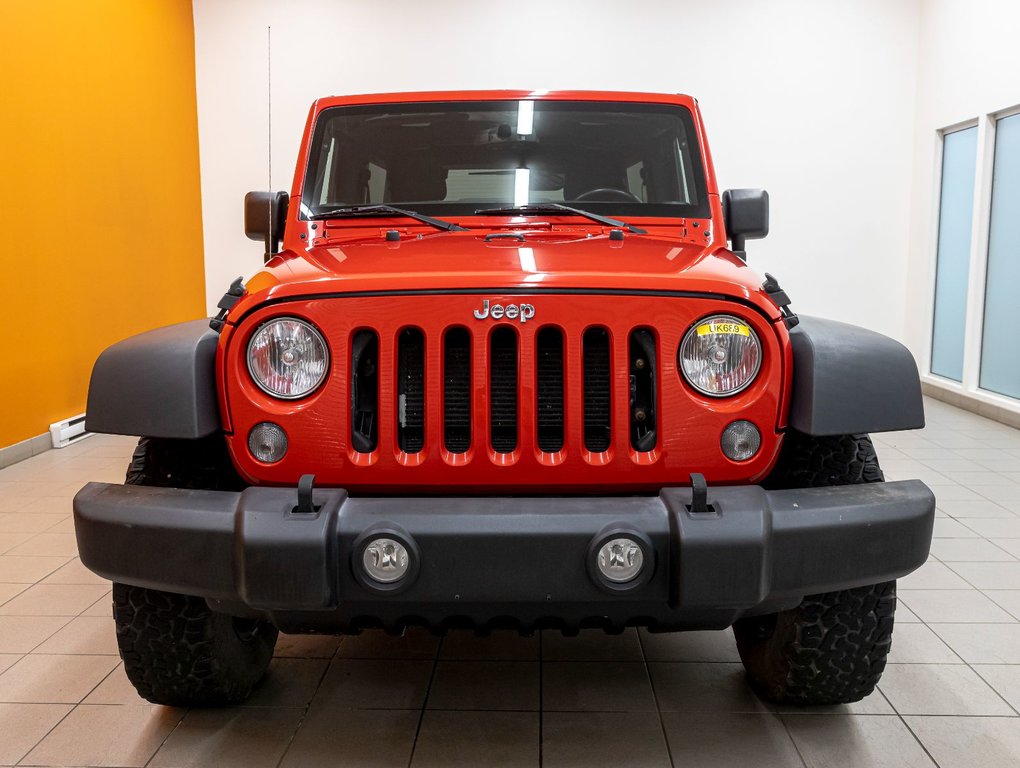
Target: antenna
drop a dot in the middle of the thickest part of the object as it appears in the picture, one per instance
(269, 93)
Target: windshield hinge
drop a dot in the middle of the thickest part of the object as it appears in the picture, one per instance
(230, 298)
(775, 292)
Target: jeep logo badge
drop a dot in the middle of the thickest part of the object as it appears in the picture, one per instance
(522, 312)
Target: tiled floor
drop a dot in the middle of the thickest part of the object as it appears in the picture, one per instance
(950, 697)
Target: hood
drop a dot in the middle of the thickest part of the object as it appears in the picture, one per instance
(508, 261)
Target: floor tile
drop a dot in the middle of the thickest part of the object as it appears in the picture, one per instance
(24, 725)
(708, 645)
(358, 739)
(990, 575)
(973, 508)
(7, 660)
(74, 573)
(53, 679)
(306, 646)
(28, 570)
(375, 644)
(502, 645)
(995, 528)
(982, 644)
(246, 737)
(490, 685)
(855, 741)
(1005, 679)
(115, 689)
(947, 528)
(11, 541)
(584, 739)
(53, 600)
(933, 575)
(968, 550)
(591, 645)
(917, 644)
(691, 687)
(940, 689)
(1008, 599)
(83, 635)
(102, 607)
(21, 634)
(106, 736)
(24, 522)
(370, 684)
(49, 544)
(289, 683)
(729, 740)
(596, 686)
(970, 742)
(953, 605)
(471, 739)
(9, 591)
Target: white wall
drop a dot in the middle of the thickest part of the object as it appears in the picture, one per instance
(969, 69)
(812, 99)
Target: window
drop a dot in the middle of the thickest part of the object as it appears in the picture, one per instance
(956, 205)
(1000, 349)
(452, 158)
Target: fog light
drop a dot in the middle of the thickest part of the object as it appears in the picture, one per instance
(267, 442)
(740, 440)
(620, 560)
(385, 560)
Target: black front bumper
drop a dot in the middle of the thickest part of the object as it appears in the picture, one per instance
(522, 562)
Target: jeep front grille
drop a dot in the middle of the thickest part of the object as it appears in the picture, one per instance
(504, 359)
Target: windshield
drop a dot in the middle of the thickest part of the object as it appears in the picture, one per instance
(443, 158)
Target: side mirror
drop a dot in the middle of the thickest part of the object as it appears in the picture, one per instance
(746, 216)
(265, 215)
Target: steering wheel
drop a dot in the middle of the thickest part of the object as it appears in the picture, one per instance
(608, 194)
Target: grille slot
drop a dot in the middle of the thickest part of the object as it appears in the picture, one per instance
(642, 389)
(597, 375)
(365, 391)
(549, 387)
(411, 390)
(457, 390)
(503, 390)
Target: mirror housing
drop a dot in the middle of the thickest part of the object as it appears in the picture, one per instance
(746, 216)
(265, 215)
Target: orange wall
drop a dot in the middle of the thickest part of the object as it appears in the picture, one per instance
(99, 192)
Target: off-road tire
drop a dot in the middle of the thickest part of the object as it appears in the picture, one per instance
(815, 462)
(832, 648)
(176, 650)
(199, 464)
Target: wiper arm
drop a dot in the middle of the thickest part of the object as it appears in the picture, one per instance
(540, 208)
(371, 210)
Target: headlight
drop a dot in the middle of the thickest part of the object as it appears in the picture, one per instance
(287, 358)
(720, 355)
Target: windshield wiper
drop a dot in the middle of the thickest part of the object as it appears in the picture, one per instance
(540, 208)
(371, 210)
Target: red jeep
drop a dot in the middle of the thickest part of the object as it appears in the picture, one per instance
(504, 371)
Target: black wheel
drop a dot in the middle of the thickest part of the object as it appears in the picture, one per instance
(832, 648)
(176, 650)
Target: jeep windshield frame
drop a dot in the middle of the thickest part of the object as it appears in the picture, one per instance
(458, 158)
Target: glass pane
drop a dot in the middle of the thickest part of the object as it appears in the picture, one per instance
(959, 154)
(1000, 350)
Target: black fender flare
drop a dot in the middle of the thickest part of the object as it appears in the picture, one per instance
(160, 383)
(848, 380)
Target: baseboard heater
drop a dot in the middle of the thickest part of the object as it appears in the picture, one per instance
(68, 431)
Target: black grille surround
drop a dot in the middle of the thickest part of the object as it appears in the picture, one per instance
(503, 390)
(457, 390)
(597, 384)
(549, 385)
